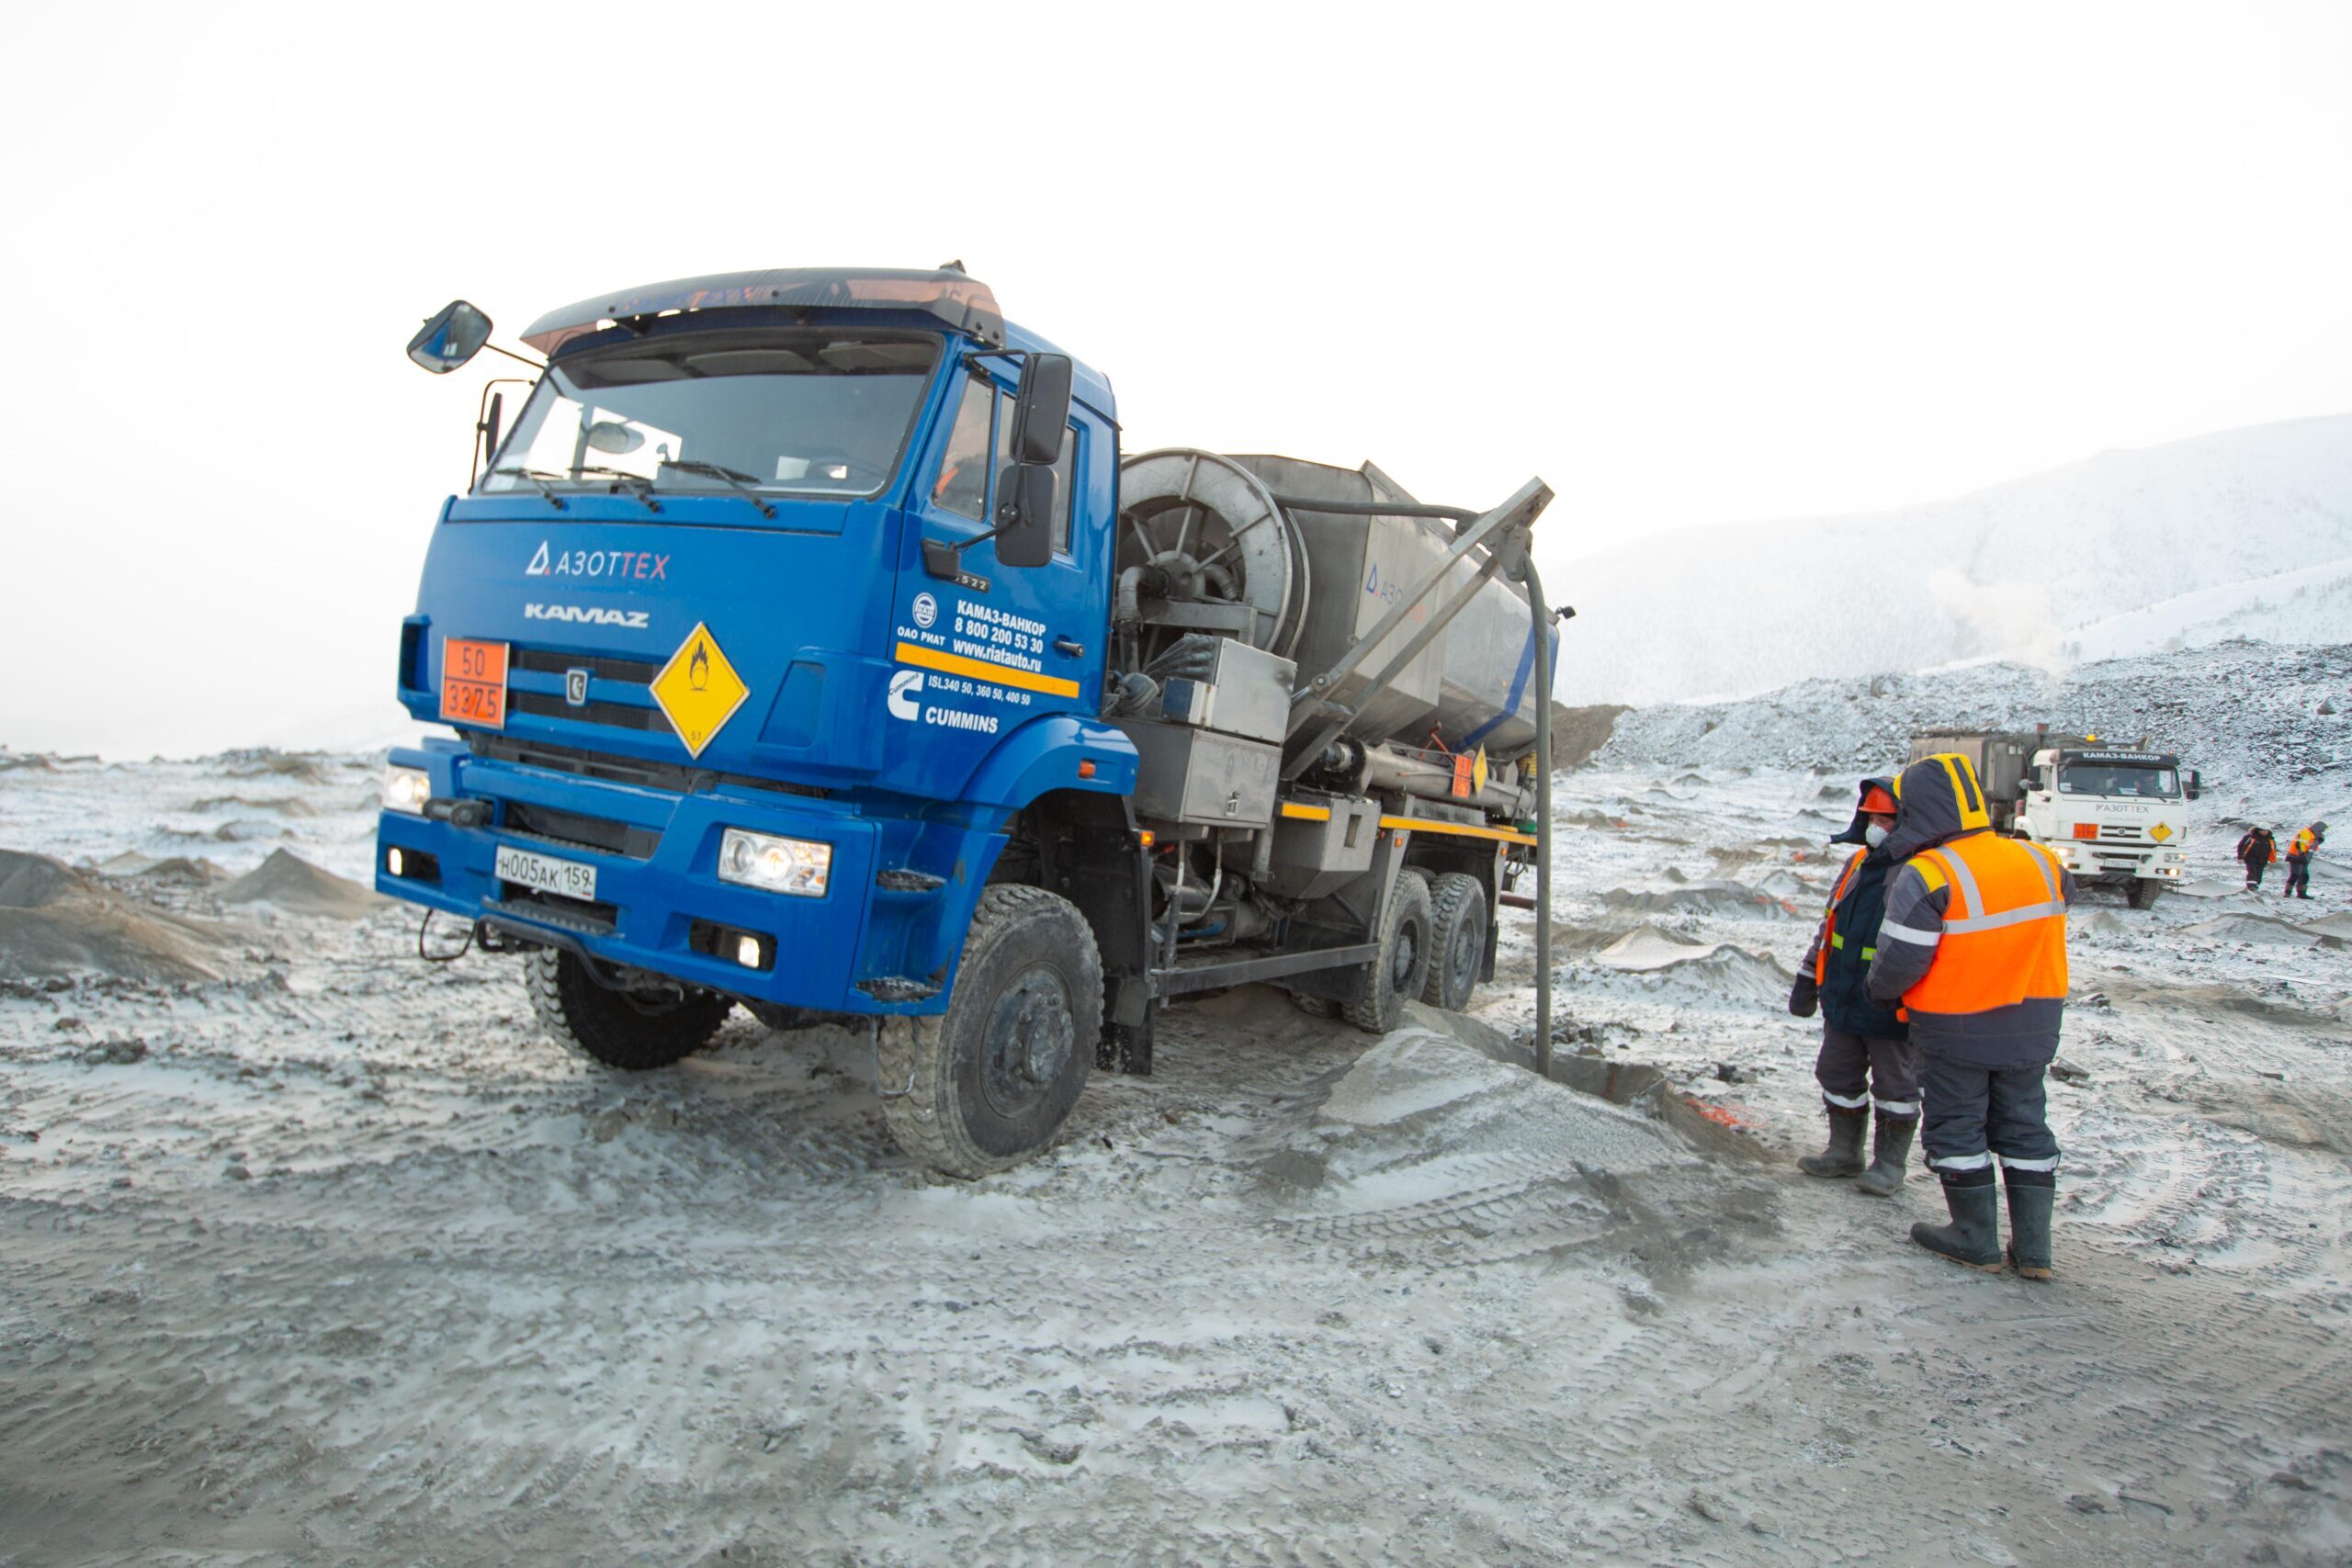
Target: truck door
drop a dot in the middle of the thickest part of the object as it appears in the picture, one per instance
(977, 657)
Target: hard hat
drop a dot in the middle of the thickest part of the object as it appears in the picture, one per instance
(1877, 801)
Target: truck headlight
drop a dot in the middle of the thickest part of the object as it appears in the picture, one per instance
(406, 789)
(781, 865)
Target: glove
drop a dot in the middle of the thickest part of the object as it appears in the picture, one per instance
(1805, 998)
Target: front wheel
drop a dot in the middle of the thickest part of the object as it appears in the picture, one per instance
(631, 1030)
(1457, 940)
(2144, 892)
(987, 1084)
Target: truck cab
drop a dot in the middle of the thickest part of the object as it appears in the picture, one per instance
(2116, 817)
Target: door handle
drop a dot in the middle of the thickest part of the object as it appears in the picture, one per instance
(1075, 649)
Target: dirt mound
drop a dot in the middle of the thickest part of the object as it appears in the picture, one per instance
(1722, 971)
(1577, 733)
(267, 763)
(2259, 928)
(1699, 899)
(287, 882)
(289, 805)
(54, 920)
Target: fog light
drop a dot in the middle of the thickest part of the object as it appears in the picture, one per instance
(406, 789)
(747, 951)
(781, 865)
(392, 861)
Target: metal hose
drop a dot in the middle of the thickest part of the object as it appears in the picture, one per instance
(1542, 617)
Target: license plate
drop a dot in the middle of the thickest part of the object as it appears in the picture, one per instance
(545, 873)
(474, 683)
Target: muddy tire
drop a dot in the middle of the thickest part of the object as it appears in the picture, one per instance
(1457, 941)
(1402, 965)
(618, 1028)
(2143, 892)
(987, 1084)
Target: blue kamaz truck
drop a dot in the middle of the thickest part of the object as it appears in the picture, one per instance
(811, 645)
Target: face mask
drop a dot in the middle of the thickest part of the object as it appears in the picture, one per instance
(1874, 835)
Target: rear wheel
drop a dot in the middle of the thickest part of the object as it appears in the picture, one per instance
(2144, 892)
(1457, 940)
(650, 1026)
(1401, 967)
(987, 1084)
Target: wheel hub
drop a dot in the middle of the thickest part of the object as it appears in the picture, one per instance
(1031, 1035)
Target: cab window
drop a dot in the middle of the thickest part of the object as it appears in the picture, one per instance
(963, 483)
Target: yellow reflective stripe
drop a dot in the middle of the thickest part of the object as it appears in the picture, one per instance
(1869, 953)
(1293, 810)
(1425, 825)
(982, 670)
(1838, 940)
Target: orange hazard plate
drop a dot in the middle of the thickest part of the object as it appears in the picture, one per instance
(474, 683)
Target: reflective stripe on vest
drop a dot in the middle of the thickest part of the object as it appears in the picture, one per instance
(1838, 941)
(1829, 921)
(2004, 929)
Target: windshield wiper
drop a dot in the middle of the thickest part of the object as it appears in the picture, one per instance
(639, 486)
(540, 480)
(742, 482)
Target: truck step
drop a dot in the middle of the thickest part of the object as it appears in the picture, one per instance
(899, 988)
(898, 879)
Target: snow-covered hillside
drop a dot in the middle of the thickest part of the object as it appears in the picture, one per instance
(2247, 532)
(2260, 722)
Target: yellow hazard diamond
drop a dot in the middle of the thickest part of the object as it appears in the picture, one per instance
(1479, 772)
(698, 690)
(2160, 832)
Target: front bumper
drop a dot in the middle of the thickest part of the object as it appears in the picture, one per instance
(2110, 863)
(647, 905)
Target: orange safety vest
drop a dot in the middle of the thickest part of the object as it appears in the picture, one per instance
(2301, 845)
(2005, 927)
(1829, 937)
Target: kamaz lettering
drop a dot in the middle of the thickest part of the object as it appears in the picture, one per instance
(589, 616)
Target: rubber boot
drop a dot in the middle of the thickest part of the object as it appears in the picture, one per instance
(1844, 1155)
(2031, 1195)
(1974, 1237)
(1889, 1154)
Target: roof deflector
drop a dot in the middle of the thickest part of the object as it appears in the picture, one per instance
(963, 303)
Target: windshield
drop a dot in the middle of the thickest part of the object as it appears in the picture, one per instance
(781, 412)
(2120, 778)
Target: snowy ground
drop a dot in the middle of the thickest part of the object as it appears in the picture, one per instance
(330, 1258)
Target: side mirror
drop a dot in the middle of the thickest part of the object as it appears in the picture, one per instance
(453, 335)
(1024, 513)
(1041, 413)
(2196, 784)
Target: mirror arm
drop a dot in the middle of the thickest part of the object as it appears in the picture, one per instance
(517, 359)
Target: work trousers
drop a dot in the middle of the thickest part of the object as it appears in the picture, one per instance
(1856, 1070)
(1978, 1116)
(2254, 872)
(2299, 878)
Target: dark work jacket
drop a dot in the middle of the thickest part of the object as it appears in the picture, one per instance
(1845, 1001)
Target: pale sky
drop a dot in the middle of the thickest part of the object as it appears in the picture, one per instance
(1689, 263)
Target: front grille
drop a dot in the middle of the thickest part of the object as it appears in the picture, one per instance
(2118, 830)
(617, 715)
(674, 777)
(573, 831)
(604, 667)
(570, 914)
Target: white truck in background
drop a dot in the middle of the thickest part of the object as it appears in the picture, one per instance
(2118, 815)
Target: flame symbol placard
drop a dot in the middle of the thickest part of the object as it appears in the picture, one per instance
(698, 668)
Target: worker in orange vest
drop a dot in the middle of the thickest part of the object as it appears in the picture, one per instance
(1974, 946)
(1868, 1068)
(2299, 850)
